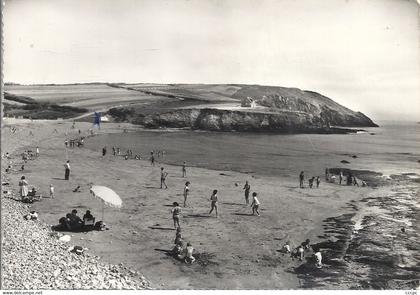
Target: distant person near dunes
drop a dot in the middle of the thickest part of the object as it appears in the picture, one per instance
(301, 179)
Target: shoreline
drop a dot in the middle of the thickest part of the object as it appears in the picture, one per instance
(300, 224)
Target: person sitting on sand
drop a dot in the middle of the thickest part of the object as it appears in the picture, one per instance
(213, 199)
(301, 179)
(364, 184)
(178, 249)
(87, 215)
(318, 258)
(247, 188)
(186, 192)
(255, 204)
(311, 182)
(286, 248)
(299, 252)
(306, 245)
(189, 258)
(23, 184)
(7, 156)
(75, 221)
(77, 189)
(176, 212)
(8, 169)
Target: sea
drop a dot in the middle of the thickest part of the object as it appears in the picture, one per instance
(389, 149)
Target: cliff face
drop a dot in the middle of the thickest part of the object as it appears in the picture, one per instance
(226, 120)
(287, 110)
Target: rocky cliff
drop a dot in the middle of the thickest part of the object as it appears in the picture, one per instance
(286, 110)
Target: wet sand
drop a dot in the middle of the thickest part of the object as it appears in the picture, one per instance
(237, 250)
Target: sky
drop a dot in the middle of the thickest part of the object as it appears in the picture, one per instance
(363, 54)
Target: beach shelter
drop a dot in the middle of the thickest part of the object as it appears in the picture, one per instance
(107, 196)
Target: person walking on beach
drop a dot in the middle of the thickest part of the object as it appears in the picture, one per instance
(247, 188)
(152, 159)
(51, 191)
(67, 170)
(186, 192)
(23, 184)
(104, 151)
(37, 152)
(176, 212)
(255, 204)
(318, 181)
(163, 175)
(184, 169)
(301, 179)
(213, 199)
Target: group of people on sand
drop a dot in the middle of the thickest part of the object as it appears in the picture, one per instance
(73, 222)
(300, 250)
(348, 179)
(180, 250)
(78, 142)
(116, 151)
(255, 204)
(311, 181)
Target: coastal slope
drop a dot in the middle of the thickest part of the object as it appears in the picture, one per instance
(221, 108)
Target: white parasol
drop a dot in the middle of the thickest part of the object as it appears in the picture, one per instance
(107, 195)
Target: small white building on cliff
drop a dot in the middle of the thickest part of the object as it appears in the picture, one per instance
(248, 102)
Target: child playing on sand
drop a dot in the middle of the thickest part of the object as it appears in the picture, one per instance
(311, 182)
(163, 175)
(51, 191)
(213, 199)
(286, 248)
(176, 212)
(189, 258)
(178, 249)
(247, 188)
(318, 258)
(255, 204)
(186, 192)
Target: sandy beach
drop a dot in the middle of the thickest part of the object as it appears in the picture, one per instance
(237, 250)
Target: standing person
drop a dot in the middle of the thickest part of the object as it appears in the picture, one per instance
(184, 169)
(118, 151)
(301, 179)
(255, 204)
(163, 175)
(247, 188)
(186, 192)
(23, 184)
(176, 212)
(67, 170)
(340, 177)
(104, 151)
(213, 199)
(355, 181)
(318, 181)
(37, 151)
(327, 174)
(51, 191)
(152, 159)
(114, 151)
